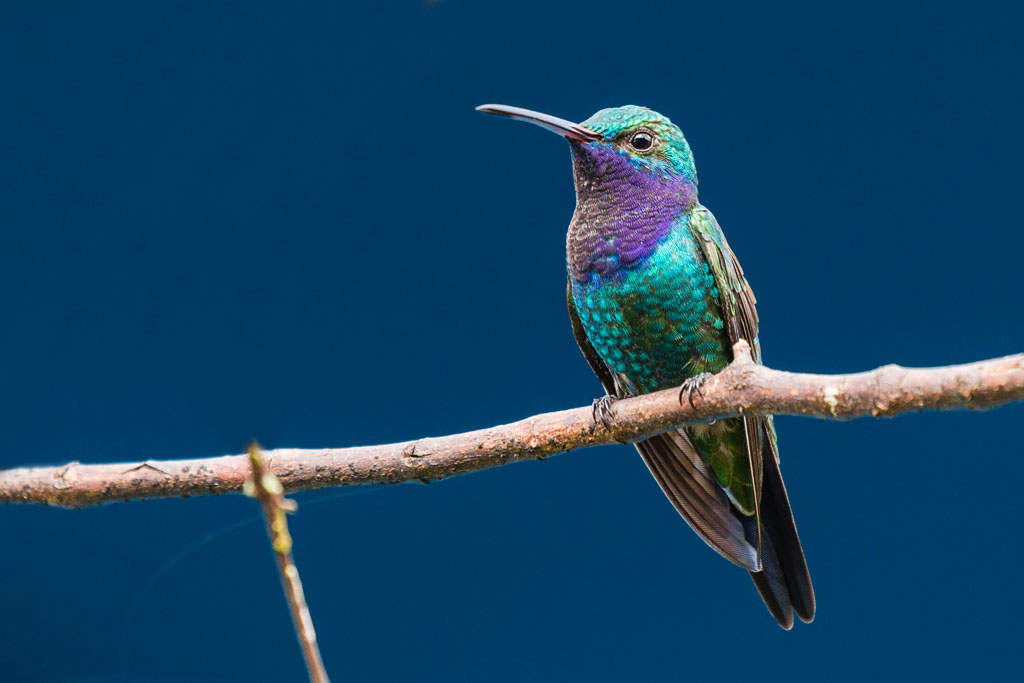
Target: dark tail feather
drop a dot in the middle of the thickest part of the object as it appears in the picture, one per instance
(771, 582)
(784, 582)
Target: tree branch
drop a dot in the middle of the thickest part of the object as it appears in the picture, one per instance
(743, 387)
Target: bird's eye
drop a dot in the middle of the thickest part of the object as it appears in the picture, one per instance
(641, 141)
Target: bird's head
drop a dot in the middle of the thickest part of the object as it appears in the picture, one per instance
(618, 149)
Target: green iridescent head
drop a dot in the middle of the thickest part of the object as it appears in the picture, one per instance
(647, 139)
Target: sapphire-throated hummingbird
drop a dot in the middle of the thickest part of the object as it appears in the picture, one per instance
(657, 299)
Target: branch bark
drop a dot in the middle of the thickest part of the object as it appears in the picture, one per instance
(743, 387)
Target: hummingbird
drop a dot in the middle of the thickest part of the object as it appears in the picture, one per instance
(657, 299)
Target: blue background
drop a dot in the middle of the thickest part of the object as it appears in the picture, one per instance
(236, 220)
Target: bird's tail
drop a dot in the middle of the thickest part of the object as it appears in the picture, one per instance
(784, 582)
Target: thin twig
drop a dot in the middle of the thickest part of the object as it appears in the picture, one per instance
(743, 387)
(264, 487)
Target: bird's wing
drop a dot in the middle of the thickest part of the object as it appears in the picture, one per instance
(740, 312)
(784, 583)
(681, 472)
(738, 299)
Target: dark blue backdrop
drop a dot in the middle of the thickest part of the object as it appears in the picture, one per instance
(249, 220)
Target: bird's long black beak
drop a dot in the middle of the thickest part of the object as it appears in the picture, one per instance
(567, 129)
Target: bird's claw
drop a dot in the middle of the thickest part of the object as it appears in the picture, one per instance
(603, 413)
(693, 384)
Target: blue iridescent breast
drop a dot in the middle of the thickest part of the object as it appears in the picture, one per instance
(657, 322)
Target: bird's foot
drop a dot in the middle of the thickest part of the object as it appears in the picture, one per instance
(693, 384)
(603, 414)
